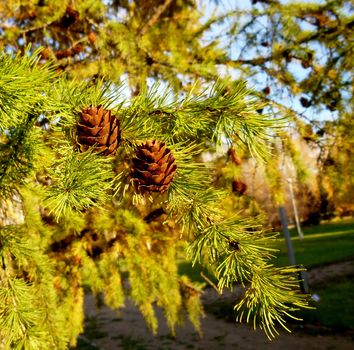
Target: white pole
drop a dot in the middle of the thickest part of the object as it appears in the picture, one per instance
(291, 254)
(300, 233)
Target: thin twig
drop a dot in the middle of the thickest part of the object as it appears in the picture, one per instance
(162, 8)
(211, 283)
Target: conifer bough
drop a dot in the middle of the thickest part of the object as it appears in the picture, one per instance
(99, 128)
(103, 235)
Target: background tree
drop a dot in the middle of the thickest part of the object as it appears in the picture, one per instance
(297, 55)
(302, 50)
(337, 168)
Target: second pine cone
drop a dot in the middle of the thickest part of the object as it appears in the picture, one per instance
(154, 167)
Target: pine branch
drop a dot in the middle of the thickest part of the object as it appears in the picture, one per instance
(154, 18)
(239, 255)
(22, 81)
(17, 156)
(29, 315)
(279, 298)
(224, 112)
(79, 182)
(95, 225)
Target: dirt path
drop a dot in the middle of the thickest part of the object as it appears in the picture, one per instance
(128, 331)
(326, 273)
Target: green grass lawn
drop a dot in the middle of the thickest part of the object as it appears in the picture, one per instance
(324, 244)
(335, 307)
(331, 227)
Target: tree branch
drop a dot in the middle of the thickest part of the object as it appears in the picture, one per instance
(159, 11)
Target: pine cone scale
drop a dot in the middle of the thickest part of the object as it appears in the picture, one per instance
(106, 118)
(169, 178)
(158, 178)
(93, 131)
(159, 155)
(91, 140)
(113, 146)
(172, 169)
(143, 174)
(113, 137)
(92, 116)
(111, 149)
(156, 146)
(105, 129)
(163, 160)
(152, 166)
(100, 148)
(163, 167)
(145, 155)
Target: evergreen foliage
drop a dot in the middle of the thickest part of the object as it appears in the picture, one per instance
(90, 227)
(297, 54)
(72, 220)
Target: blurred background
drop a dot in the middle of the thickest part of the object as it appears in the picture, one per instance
(297, 56)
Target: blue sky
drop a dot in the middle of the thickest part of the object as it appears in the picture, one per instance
(211, 8)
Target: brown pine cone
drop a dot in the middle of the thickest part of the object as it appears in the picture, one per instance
(305, 102)
(46, 53)
(154, 167)
(266, 90)
(234, 245)
(99, 128)
(63, 53)
(92, 37)
(70, 16)
(77, 48)
(239, 187)
(234, 157)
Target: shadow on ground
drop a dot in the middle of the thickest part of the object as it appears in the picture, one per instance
(127, 330)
